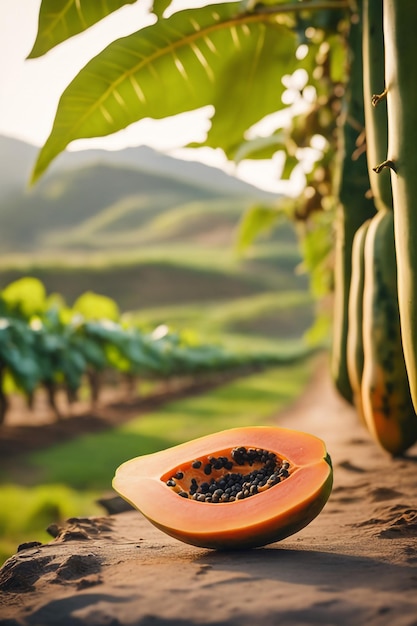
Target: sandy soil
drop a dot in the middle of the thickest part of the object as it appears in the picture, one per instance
(356, 563)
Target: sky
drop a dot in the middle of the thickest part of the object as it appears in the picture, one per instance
(30, 91)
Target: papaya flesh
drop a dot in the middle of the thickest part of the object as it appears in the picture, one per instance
(162, 486)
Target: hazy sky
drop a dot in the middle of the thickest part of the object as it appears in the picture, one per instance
(30, 89)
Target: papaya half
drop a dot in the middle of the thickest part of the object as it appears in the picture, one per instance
(400, 18)
(234, 489)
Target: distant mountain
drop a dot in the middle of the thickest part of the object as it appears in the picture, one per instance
(97, 199)
(18, 158)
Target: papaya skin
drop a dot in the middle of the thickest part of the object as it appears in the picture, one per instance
(386, 398)
(264, 518)
(400, 18)
(354, 208)
(355, 317)
(375, 108)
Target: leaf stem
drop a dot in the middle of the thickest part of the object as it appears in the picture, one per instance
(321, 5)
(389, 163)
(377, 97)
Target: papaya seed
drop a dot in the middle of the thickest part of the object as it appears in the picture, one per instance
(266, 471)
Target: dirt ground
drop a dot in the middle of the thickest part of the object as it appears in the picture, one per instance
(356, 563)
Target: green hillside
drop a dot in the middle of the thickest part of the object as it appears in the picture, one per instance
(162, 275)
(110, 201)
(72, 199)
(155, 234)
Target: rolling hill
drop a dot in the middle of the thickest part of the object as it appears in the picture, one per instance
(98, 199)
(151, 232)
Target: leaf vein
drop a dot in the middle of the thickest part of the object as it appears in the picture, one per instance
(137, 89)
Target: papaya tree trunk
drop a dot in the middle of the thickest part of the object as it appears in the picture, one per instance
(4, 402)
(51, 390)
(354, 205)
(94, 383)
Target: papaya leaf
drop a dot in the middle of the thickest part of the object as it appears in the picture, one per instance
(73, 366)
(24, 370)
(18, 355)
(25, 297)
(262, 5)
(116, 359)
(61, 19)
(257, 220)
(141, 359)
(93, 352)
(252, 88)
(260, 147)
(211, 55)
(337, 59)
(159, 6)
(94, 306)
(317, 246)
(290, 163)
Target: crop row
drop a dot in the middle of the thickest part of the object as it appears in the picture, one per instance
(46, 345)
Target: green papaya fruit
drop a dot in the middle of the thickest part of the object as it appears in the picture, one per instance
(355, 316)
(386, 399)
(400, 19)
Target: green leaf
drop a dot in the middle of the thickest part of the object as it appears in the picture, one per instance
(94, 306)
(337, 59)
(73, 367)
(258, 219)
(25, 297)
(93, 352)
(159, 7)
(260, 147)
(212, 55)
(290, 163)
(252, 87)
(18, 354)
(61, 19)
(316, 246)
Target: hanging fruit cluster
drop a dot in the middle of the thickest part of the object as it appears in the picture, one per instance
(374, 358)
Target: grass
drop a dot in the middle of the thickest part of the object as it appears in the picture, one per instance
(175, 274)
(111, 226)
(270, 315)
(27, 511)
(66, 480)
